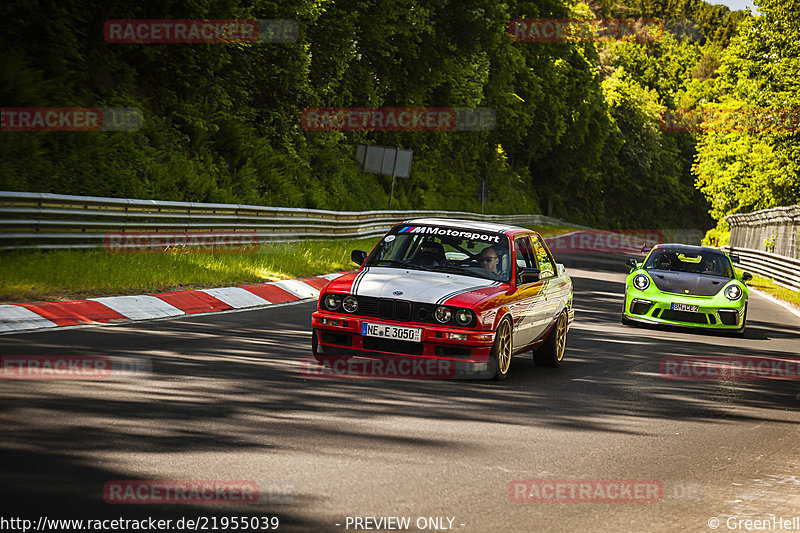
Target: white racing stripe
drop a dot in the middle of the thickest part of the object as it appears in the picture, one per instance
(417, 286)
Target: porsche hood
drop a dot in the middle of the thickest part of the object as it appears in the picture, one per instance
(687, 283)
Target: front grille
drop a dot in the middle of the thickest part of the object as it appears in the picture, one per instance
(403, 310)
(729, 318)
(392, 346)
(684, 316)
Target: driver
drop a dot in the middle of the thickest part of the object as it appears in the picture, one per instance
(489, 260)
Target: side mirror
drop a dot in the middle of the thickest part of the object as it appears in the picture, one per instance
(631, 263)
(560, 269)
(528, 275)
(746, 276)
(358, 257)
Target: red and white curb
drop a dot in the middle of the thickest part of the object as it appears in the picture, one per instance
(113, 309)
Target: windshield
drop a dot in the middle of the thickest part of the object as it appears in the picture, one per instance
(702, 262)
(465, 252)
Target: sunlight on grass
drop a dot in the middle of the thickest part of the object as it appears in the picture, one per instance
(767, 285)
(27, 276)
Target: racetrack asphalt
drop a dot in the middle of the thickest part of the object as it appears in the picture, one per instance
(223, 397)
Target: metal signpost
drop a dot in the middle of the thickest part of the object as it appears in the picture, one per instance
(388, 161)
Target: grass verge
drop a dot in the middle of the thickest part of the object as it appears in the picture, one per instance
(769, 286)
(29, 276)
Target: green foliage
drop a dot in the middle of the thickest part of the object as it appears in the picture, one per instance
(738, 170)
(577, 123)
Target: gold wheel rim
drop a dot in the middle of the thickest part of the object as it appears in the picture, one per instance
(504, 348)
(561, 337)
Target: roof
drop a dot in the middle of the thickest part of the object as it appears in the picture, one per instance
(466, 224)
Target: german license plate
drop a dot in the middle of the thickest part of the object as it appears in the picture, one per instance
(391, 332)
(685, 307)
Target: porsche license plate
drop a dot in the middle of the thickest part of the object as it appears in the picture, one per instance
(685, 307)
(391, 332)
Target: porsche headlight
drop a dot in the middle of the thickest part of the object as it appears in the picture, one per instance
(332, 301)
(443, 314)
(641, 282)
(733, 292)
(350, 303)
(463, 316)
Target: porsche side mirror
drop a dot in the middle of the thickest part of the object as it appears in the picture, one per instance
(631, 263)
(528, 275)
(560, 269)
(358, 257)
(746, 276)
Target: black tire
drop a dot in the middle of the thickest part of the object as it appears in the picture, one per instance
(551, 353)
(318, 352)
(500, 358)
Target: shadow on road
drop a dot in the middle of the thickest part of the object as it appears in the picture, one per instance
(232, 382)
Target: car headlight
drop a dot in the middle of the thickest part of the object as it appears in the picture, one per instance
(463, 316)
(641, 282)
(443, 314)
(733, 292)
(332, 301)
(350, 304)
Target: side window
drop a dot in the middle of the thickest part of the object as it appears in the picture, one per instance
(543, 258)
(525, 257)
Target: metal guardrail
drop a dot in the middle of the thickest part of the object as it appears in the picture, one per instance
(54, 221)
(781, 225)
(784, 271)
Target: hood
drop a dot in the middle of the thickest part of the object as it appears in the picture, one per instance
(687, 283)
(413, 285)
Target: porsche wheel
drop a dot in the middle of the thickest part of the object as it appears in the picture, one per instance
(551, 353)
(500, 358)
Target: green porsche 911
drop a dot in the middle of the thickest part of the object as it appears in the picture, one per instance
(688, 286)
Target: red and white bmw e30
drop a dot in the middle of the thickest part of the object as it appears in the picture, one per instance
(467, 292)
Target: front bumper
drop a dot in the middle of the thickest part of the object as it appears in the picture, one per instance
(650, 308)
(339, 334)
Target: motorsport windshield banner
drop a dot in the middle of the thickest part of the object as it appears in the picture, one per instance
(472, 235)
